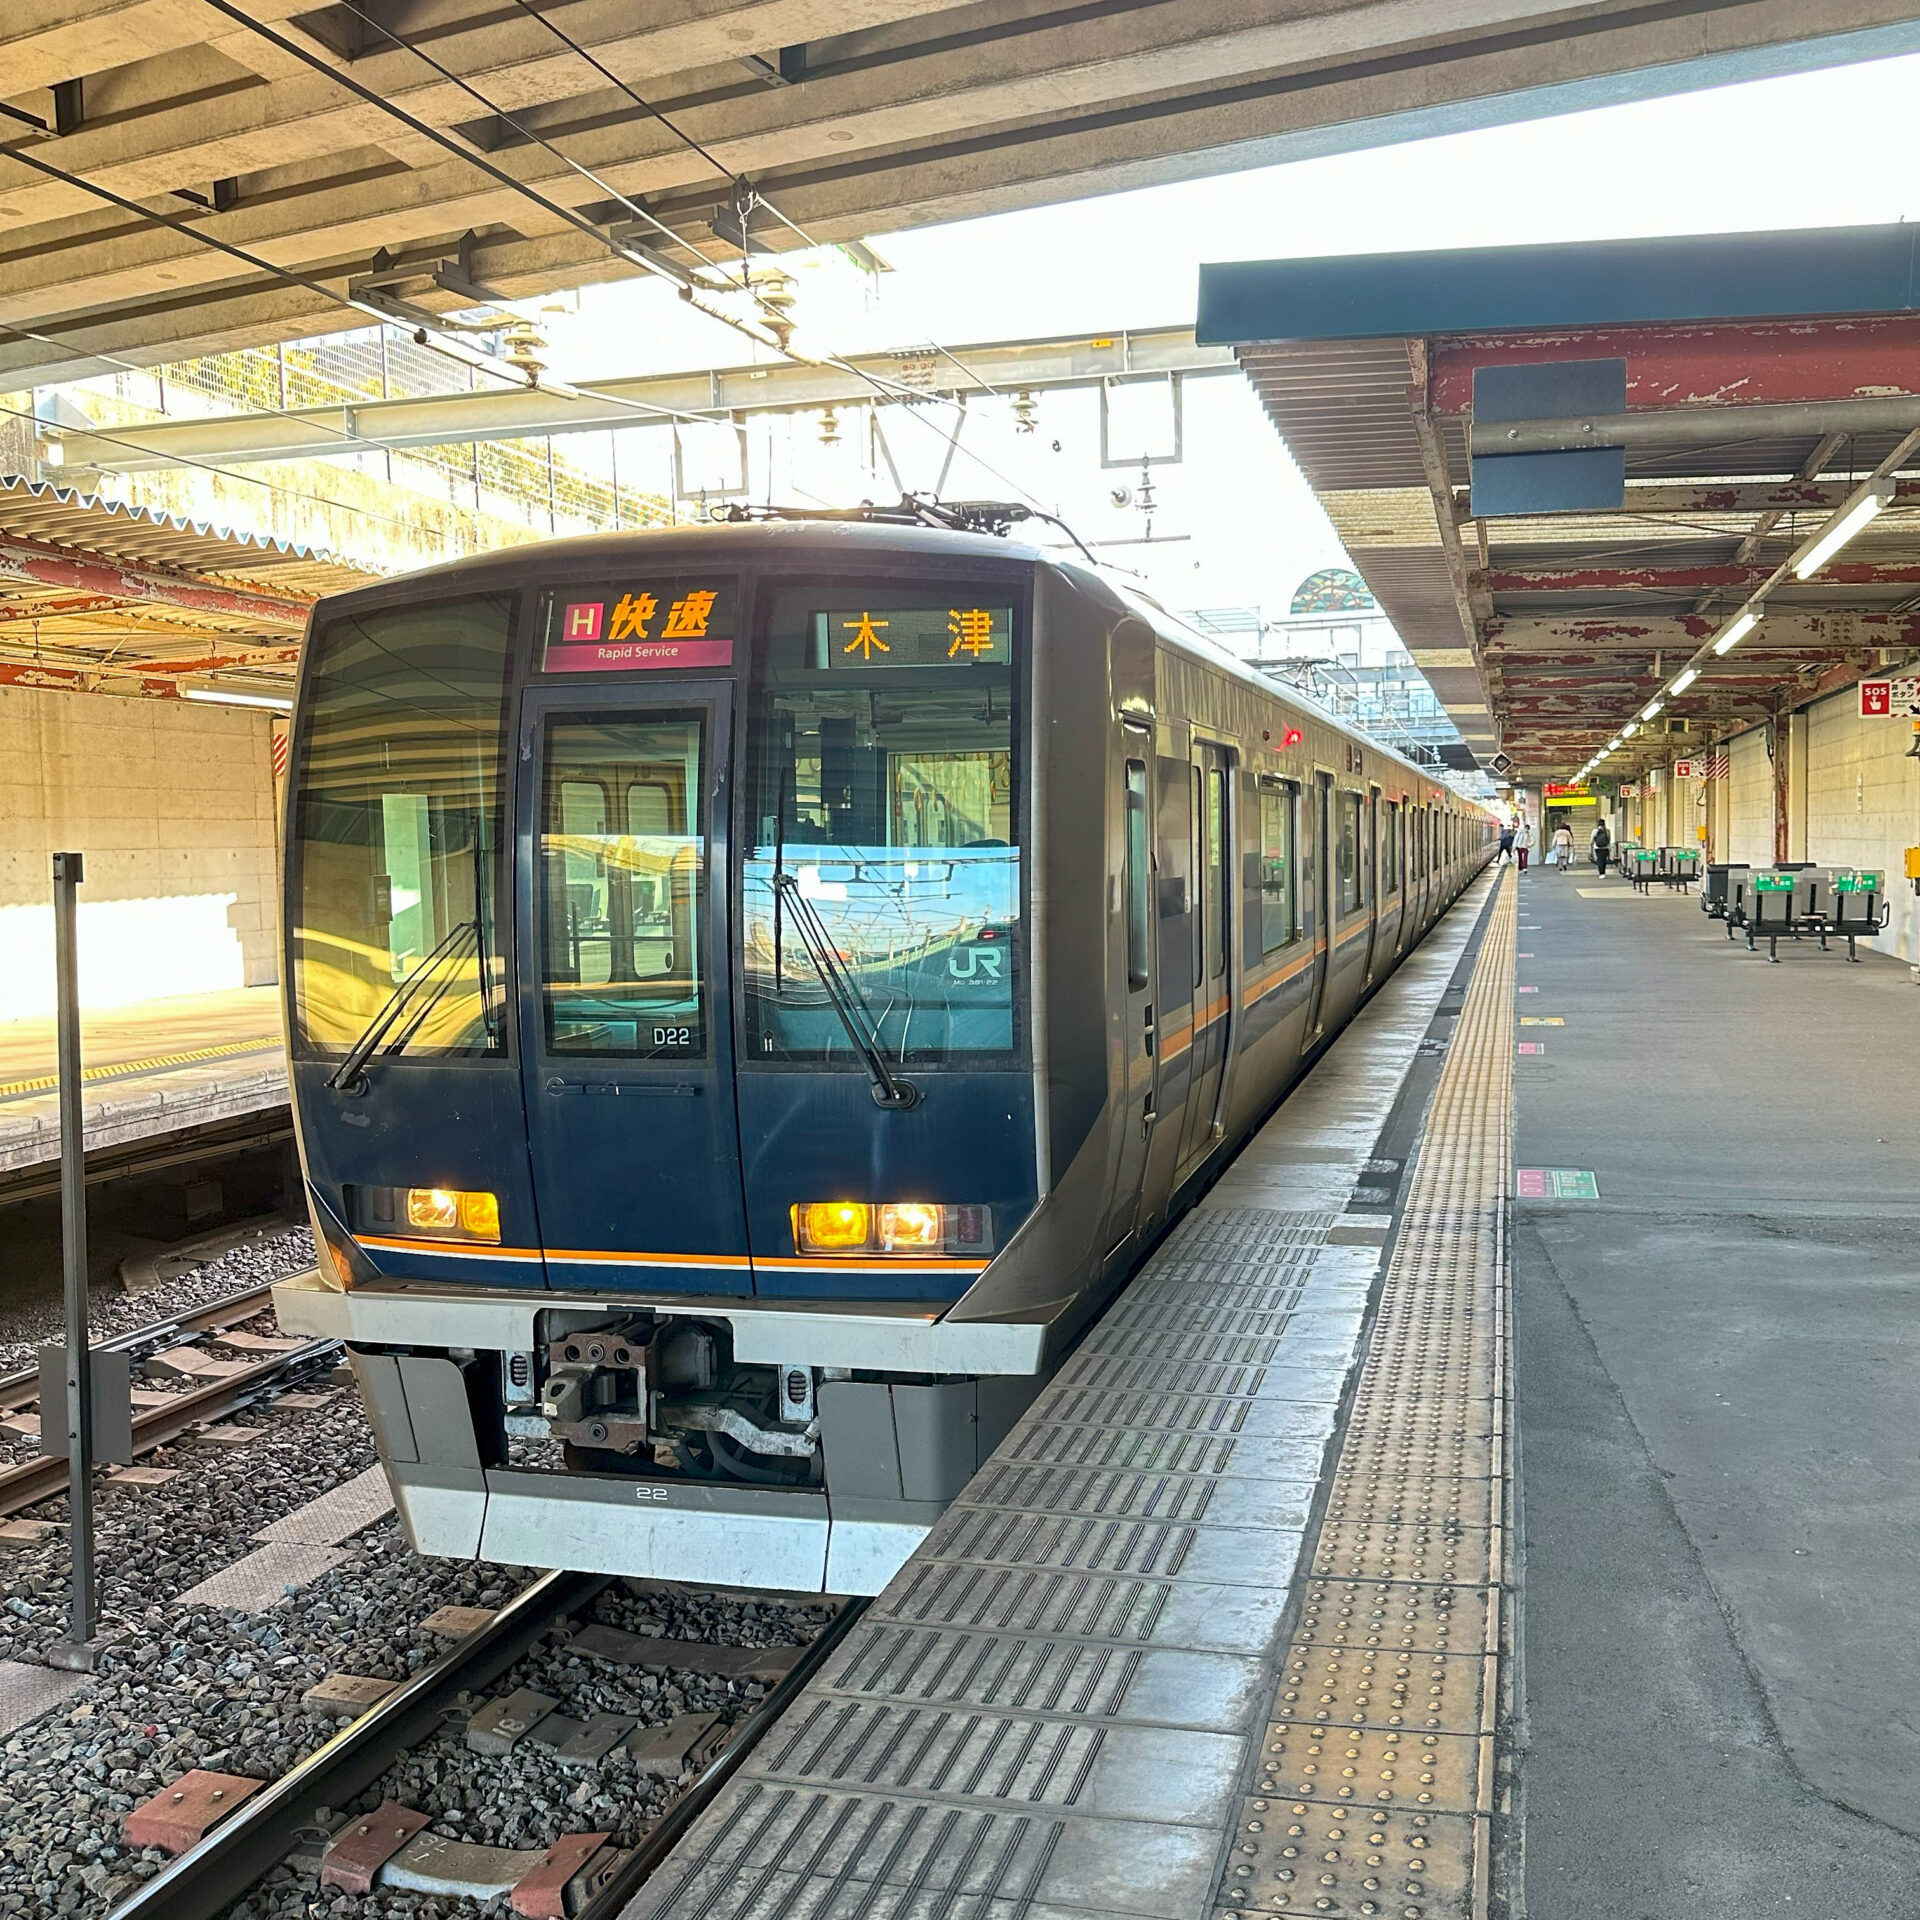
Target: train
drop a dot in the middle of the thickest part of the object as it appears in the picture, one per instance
(756, 990)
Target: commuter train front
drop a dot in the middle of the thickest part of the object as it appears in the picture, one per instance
(755, 990)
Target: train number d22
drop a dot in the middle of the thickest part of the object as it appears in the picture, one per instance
(673, 1036)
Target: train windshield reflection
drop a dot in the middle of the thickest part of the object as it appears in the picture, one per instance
(885, 789)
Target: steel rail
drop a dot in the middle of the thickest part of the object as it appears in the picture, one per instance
(32, 1481)
(239, 1852)
(21, 1389)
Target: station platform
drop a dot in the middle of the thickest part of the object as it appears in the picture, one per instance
(1215, 1630)
(157, 1069)
(1717, 1367)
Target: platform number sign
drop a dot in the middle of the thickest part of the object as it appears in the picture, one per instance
(1881, 699)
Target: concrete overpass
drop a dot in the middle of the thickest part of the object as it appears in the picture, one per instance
(190, 175)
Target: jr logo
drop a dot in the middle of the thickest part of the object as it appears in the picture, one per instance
(974, 962)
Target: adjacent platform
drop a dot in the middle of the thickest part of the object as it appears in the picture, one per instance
(1109, 1683)
(166, 1068)
(1716, 1358)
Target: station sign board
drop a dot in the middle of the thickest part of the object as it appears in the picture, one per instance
(1561, 789)
(1881, 699)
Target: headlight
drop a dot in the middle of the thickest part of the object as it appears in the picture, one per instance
(911, 1224)
(432, 1213)
(898, 1227)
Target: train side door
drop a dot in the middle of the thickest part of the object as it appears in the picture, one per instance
(1322, 899)
(1211, 776)
(1139, 1034)
(1370, 866)
(625, 990)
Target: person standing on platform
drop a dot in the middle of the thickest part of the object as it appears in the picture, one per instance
(1522, 840)
(1602, 845)
(1560, 854)
(1506, 843)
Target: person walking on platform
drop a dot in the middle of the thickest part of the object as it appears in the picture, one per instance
(1560, 854)
(1506, 843)
(1602, 846)
(1522, 840)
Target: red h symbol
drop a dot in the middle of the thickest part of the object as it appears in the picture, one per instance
(582, 620)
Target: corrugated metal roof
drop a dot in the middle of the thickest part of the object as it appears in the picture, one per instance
(133, 535)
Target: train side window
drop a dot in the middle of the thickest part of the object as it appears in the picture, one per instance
(1139, 878)
(1346, 852)
(1217, 906)
(1279, 898)
(1390, 849)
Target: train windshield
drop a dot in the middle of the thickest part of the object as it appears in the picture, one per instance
(884, 778)
(397, 832)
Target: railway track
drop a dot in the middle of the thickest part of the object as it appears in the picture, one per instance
(27, 1482)
(298, 1816)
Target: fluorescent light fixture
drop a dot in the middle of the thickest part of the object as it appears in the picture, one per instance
(219, 696)
(1630, 729)
(1683, 681)
(1859, 509)
(1737, 629)
(1651, 708)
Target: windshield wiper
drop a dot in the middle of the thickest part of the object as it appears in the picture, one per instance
(889, 1089)
(347, 1075)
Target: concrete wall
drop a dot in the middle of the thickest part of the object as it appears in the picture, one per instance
(1853, 800)
(172, 805)
(1750, 800)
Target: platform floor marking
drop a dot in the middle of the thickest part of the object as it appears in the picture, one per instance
(131, 1069)
(1542, 1020)
(1533, 1046)
(1377, 1786)
(1557, 1183)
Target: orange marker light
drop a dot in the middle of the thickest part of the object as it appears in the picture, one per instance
(834, 1226)
(480, 1215)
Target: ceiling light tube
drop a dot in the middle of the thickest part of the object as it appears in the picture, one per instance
(218, 696)
(1682, 681)
(1630, 729)
(1651, 708)
(1858, 510)
(1737, 629)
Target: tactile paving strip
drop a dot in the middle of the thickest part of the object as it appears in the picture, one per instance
(1374, 1787)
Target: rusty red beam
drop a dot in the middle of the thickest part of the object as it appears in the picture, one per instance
(1748, 363)
(1681, 580)
(97, 576)
(85, 679)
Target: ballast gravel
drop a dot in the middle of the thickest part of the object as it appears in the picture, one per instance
(205, 1687)
(272, 1254)
(526, 1799)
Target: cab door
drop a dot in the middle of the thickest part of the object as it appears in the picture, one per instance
(625, 986)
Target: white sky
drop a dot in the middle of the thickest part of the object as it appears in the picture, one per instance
(1682, 165)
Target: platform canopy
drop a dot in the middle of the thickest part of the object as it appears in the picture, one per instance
(99, 596)
(1573, 474)
(188, 176)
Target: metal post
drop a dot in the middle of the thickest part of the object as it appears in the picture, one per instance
(78, 1650)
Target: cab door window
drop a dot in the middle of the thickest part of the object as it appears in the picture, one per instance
(622, 886)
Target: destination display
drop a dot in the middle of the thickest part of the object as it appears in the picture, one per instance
(648, 624)
(937, 636)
